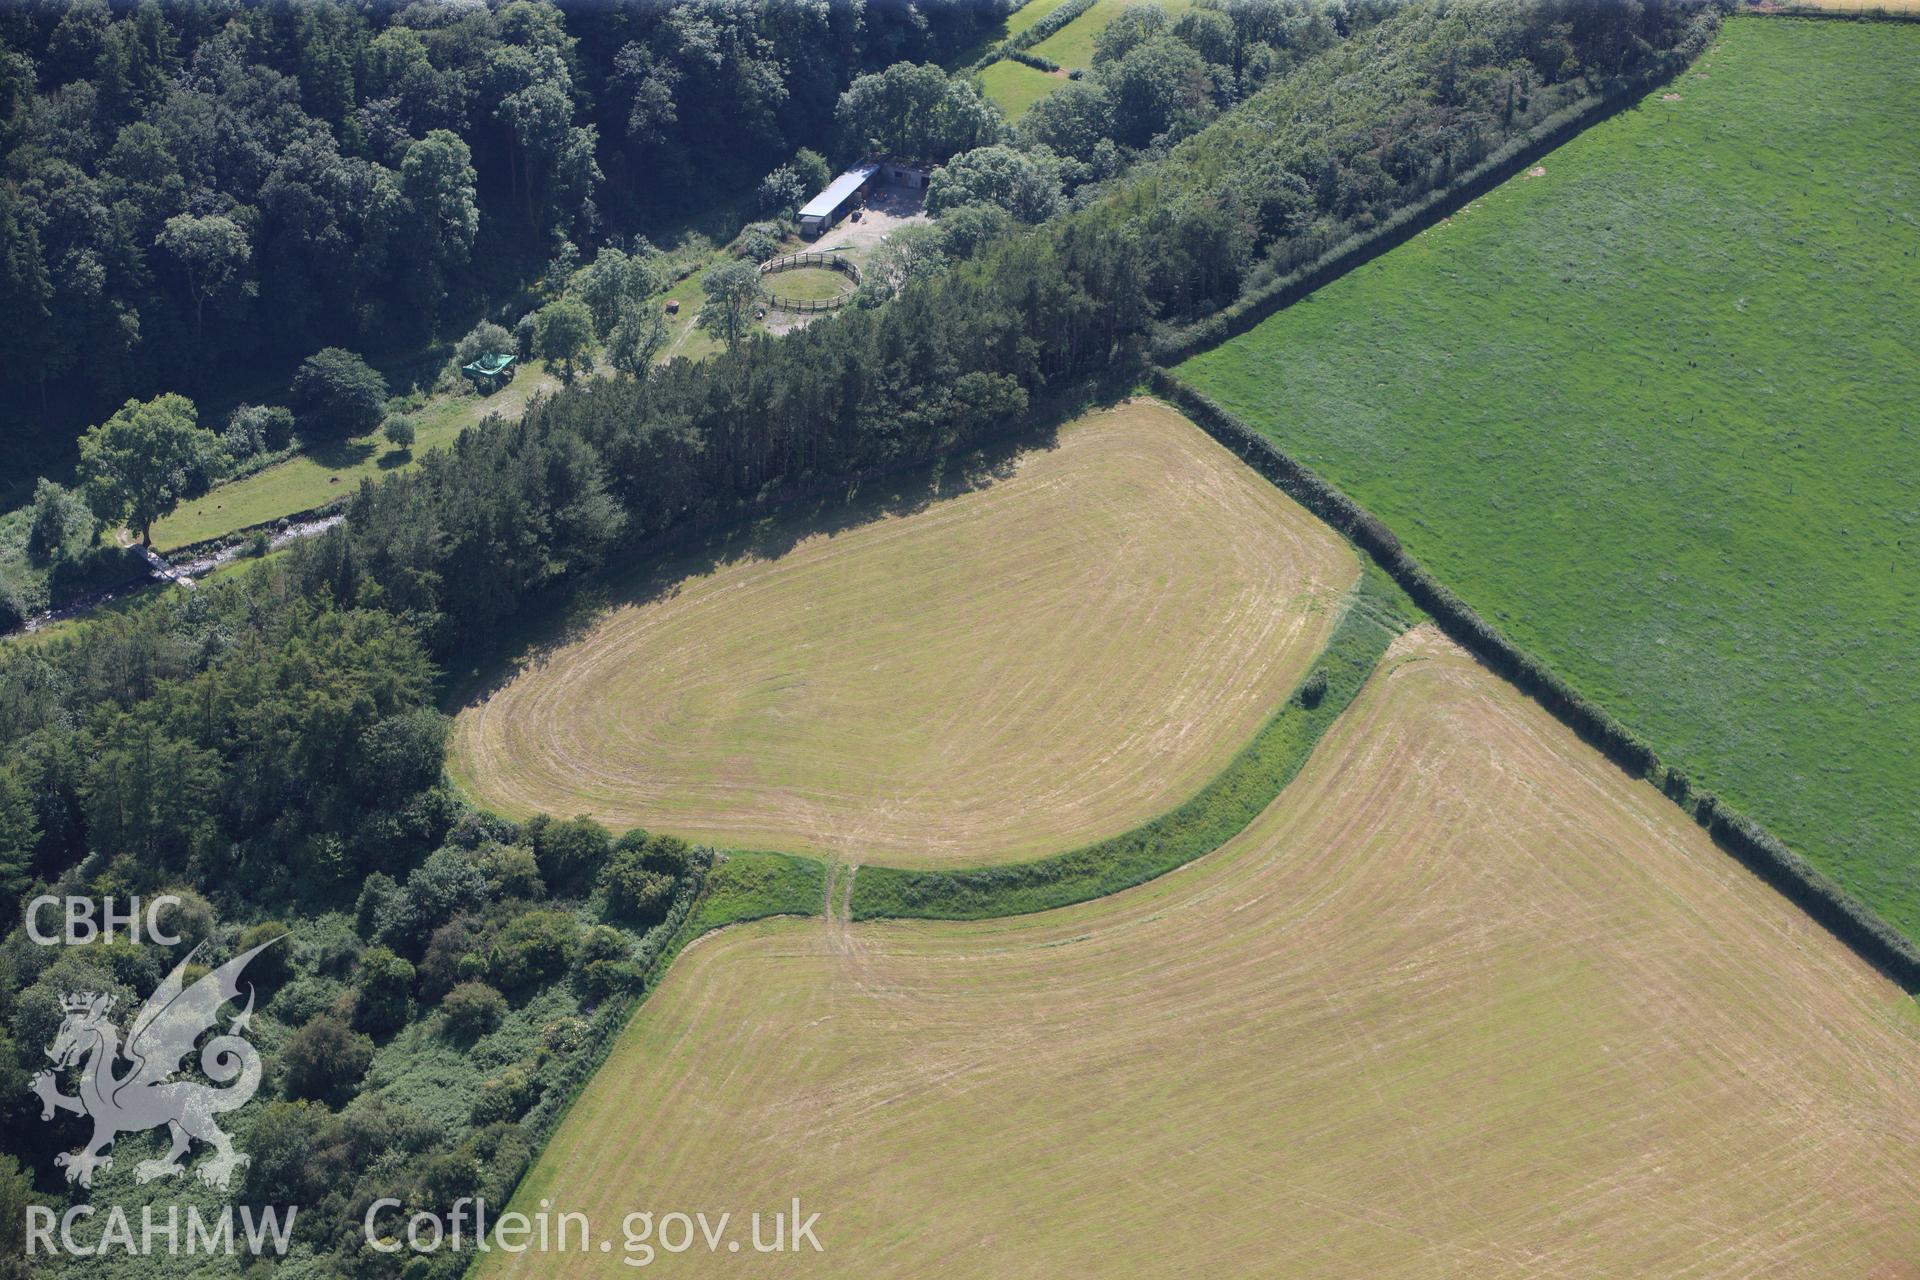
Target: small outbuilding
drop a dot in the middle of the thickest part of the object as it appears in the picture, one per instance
(901, 174)
(490, 373)
(819, 214)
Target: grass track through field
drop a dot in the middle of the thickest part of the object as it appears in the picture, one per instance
(1648, 412)
(1464, 1000)
(1037, 662)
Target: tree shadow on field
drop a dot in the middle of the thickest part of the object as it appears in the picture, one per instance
(338, 455)
(658, 568)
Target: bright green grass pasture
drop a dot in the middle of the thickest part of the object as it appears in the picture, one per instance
(1072, 45)
(335, 469)
(1014, 86)
(1029, 13)
(807, 284)
(752, 886)
(1653, 413)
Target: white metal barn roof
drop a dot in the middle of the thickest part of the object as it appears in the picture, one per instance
(823, 205)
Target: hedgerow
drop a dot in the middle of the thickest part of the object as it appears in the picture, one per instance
(1846, 916)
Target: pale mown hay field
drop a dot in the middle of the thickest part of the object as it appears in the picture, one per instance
(1465, 1001)
(1051, 658)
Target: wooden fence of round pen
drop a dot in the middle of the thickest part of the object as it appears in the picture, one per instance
(792, 261)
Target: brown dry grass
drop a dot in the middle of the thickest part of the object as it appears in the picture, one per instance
(1464, 1001)
(1031, 665)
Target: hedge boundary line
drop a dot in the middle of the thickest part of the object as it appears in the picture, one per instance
(1218, 812)
(1755, 847)
(1034, 60)
(1515, 155)
(1049, 25)
(1033, 35)
(1866, 13)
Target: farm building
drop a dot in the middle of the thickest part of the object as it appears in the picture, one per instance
(901, 174)
(848, 190)
(832, 204)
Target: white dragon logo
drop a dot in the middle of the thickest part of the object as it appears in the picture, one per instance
(142, 1096)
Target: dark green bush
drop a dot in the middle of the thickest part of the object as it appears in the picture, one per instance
(471, 1010)
(506, 1097)
(336, 394)
(274, 965)
(324, 1060)
(94, 569)
(382, 992)
(532, 948)
(569, 853)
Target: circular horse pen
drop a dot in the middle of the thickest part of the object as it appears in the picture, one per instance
(809, 281)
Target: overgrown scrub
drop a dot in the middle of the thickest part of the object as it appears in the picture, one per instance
(1283, 290)
(1220, 811)
(1324, 156)
(418, 1046)
(746, 886)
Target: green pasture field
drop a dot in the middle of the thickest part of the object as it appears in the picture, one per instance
(1650, 409)
(807, 284)
(335, 469)
(1072, 45)
(1029, 13)
(1014, 86)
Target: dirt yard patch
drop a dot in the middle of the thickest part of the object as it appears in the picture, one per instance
(1464, 1001)
(887, 210)
(1031, 665)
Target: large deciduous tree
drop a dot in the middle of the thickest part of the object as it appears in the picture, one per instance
(336, 393)
(443, 215)
(139, 463)
(731, 289)
(614, 284)
(636, 339)
(918, 112)
(213, 254)
(563, 335)
(1025, 186)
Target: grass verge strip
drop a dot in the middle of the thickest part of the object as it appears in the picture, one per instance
(1378, 612)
